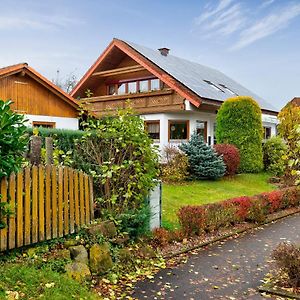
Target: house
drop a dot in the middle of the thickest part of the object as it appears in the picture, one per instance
(296, 101)
(174, 96)
(41, 101)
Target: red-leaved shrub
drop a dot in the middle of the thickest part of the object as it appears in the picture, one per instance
(255, 209)
(231, 157)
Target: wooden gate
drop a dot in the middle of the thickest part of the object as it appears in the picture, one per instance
(46, 202)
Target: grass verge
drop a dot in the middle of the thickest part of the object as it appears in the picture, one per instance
(208, 191)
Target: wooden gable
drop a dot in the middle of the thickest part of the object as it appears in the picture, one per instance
(32, 95)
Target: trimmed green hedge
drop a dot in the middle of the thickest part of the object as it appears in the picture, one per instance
(239, 123)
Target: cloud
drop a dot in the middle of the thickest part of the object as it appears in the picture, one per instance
(224, 19)
(267, 3)
(212, 11)
(35, 21)
(267, 26)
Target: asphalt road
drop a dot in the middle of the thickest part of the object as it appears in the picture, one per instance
(232, 269)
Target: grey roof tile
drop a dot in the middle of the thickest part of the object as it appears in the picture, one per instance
(192, 75)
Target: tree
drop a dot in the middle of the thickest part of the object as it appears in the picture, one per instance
(13, 140)
(67, 84)
(289, 130)
(239, 122)
(203, 160)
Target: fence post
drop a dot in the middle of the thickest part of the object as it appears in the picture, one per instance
(35, 150)
(49, 150)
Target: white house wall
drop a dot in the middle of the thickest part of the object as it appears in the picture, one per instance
(60, 122)
(193, 116)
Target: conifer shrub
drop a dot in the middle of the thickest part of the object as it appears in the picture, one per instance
(231, 157)
(239, 123)
(273, 150)
(204, 162)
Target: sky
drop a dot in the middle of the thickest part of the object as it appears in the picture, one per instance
(256, 42)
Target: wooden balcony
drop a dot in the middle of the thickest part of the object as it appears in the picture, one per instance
(150, 102)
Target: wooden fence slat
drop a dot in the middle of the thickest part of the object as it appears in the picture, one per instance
(66, 201)
(12, 218)
(87, 199)
(54, 202)
(20, 230)
(41, 203)
(34, 231)
(76, 200)
(3, 232)
(27, 207)
(60, 203)
(81, 195)
(48, 202)
(71, 199)
(91, 197)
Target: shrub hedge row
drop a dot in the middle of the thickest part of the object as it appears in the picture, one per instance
(195, 220)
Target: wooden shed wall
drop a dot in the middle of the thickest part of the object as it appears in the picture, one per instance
(31, 97)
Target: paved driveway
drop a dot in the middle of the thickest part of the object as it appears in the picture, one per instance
(227, 270)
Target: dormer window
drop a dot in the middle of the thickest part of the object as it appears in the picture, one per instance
(213, 86)
(228, 89)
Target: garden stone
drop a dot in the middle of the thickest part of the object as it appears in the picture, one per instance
(106, 228)
(78, 271)
(79, 254)
(100, 259)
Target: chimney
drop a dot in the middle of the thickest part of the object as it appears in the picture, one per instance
(164, 51)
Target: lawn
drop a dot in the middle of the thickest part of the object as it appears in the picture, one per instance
(32, 283)
(206, 191)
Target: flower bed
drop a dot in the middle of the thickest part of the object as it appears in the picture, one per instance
(195, 220)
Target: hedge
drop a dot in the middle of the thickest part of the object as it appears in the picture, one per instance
(239, 122)
(209, 217)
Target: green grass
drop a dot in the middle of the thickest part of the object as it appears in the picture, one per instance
(206, 191)
(31, 282)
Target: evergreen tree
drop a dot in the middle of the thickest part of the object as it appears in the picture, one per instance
(203, 160)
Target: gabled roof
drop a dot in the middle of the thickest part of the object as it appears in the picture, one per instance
(193, 81)
(23, 67)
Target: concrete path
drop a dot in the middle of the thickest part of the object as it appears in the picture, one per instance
(232, 269)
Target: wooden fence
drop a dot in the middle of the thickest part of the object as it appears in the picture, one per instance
(46, 202)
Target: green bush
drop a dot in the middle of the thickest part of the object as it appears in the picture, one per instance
(135, 222)
(204, 163)
(175, 166)
(273, 151)
(122, 159)
(239, 123)
(13, 139)
(65, 144)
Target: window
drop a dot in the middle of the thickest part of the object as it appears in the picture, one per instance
(267, 132)
(112, 89)
(178, 130)
(152, 127)
(134, 86)
(144, 86)
(155, 84)
(121, 88)
(201, 129)
(43, 124)
(228, 89)
(213, 86)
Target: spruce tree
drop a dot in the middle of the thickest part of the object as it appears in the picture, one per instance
(204, 163)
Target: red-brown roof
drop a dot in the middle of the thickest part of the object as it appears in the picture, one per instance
(23, 67)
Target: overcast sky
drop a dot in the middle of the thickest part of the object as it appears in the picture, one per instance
(256, 42)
